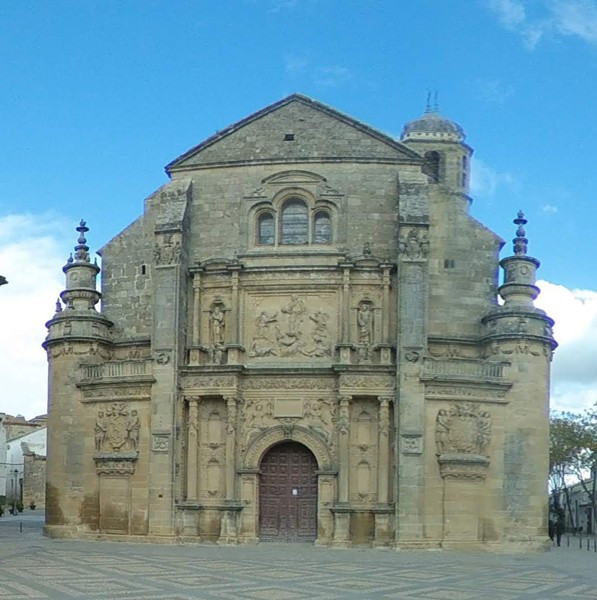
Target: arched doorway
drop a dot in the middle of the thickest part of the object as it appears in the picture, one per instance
(288, 494)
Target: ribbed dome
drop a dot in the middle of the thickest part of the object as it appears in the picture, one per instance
(432, 126)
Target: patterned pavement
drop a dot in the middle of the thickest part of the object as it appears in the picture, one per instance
(32, 566)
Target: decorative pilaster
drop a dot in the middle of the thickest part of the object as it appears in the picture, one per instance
(231, 406)
(383, 511)
(229, 518)
(192, 450)
(341, 509)
(383, 465)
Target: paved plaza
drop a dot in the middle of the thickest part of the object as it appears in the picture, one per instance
(32, 566)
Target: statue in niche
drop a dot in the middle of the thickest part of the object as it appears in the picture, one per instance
(217, 325)
(364, 329)
(217, 321)
(320, 335)
(266, 335)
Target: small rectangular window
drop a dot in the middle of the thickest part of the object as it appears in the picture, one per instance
(289, 137)
(449, 263)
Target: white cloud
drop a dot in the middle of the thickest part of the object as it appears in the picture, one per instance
(574, 372)
(511, 13)
(576, 18)
(32, 252)
(299, 66)
(549, 209)
(485, 180)
(493, 90)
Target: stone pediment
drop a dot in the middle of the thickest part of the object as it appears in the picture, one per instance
(295, 129)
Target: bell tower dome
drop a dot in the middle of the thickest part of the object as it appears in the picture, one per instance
(441, 142)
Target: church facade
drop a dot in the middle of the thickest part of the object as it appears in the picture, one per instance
(300, 340)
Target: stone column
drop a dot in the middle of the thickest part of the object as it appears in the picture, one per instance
(341, 509)
(192, 450)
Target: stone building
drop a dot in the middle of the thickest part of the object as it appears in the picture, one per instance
(300, 339)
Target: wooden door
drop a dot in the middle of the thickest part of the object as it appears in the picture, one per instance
(288, 494)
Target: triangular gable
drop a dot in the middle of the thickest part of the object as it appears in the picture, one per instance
(319, 131)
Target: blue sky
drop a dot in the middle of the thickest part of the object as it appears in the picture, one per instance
(97, 96)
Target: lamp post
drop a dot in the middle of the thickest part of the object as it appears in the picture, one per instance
(15, 495)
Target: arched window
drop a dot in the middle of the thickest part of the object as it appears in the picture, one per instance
(432, 166)
(266, 231)
(295, 223)
(322, 228)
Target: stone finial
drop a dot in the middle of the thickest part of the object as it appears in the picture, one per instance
(81, 249)
(58, 305)
(367, 249)
(520, 241)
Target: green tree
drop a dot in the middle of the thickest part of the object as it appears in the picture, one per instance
(573, 456)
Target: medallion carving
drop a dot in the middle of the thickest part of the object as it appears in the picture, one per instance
(160, 442)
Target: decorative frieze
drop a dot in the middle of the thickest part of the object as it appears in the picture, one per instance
(478, 393)
(115, 392)
(368, 382)
(289, 383)
(209, 381)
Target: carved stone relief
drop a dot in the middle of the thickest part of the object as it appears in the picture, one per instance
(293, 330)
(117, 429)
(462, 429)
(168, 249)
(413, 243)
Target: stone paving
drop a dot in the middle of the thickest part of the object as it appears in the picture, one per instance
(32, 566)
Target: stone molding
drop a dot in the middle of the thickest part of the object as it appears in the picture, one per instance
(115, 463)
(297, 433)
(466, 467)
